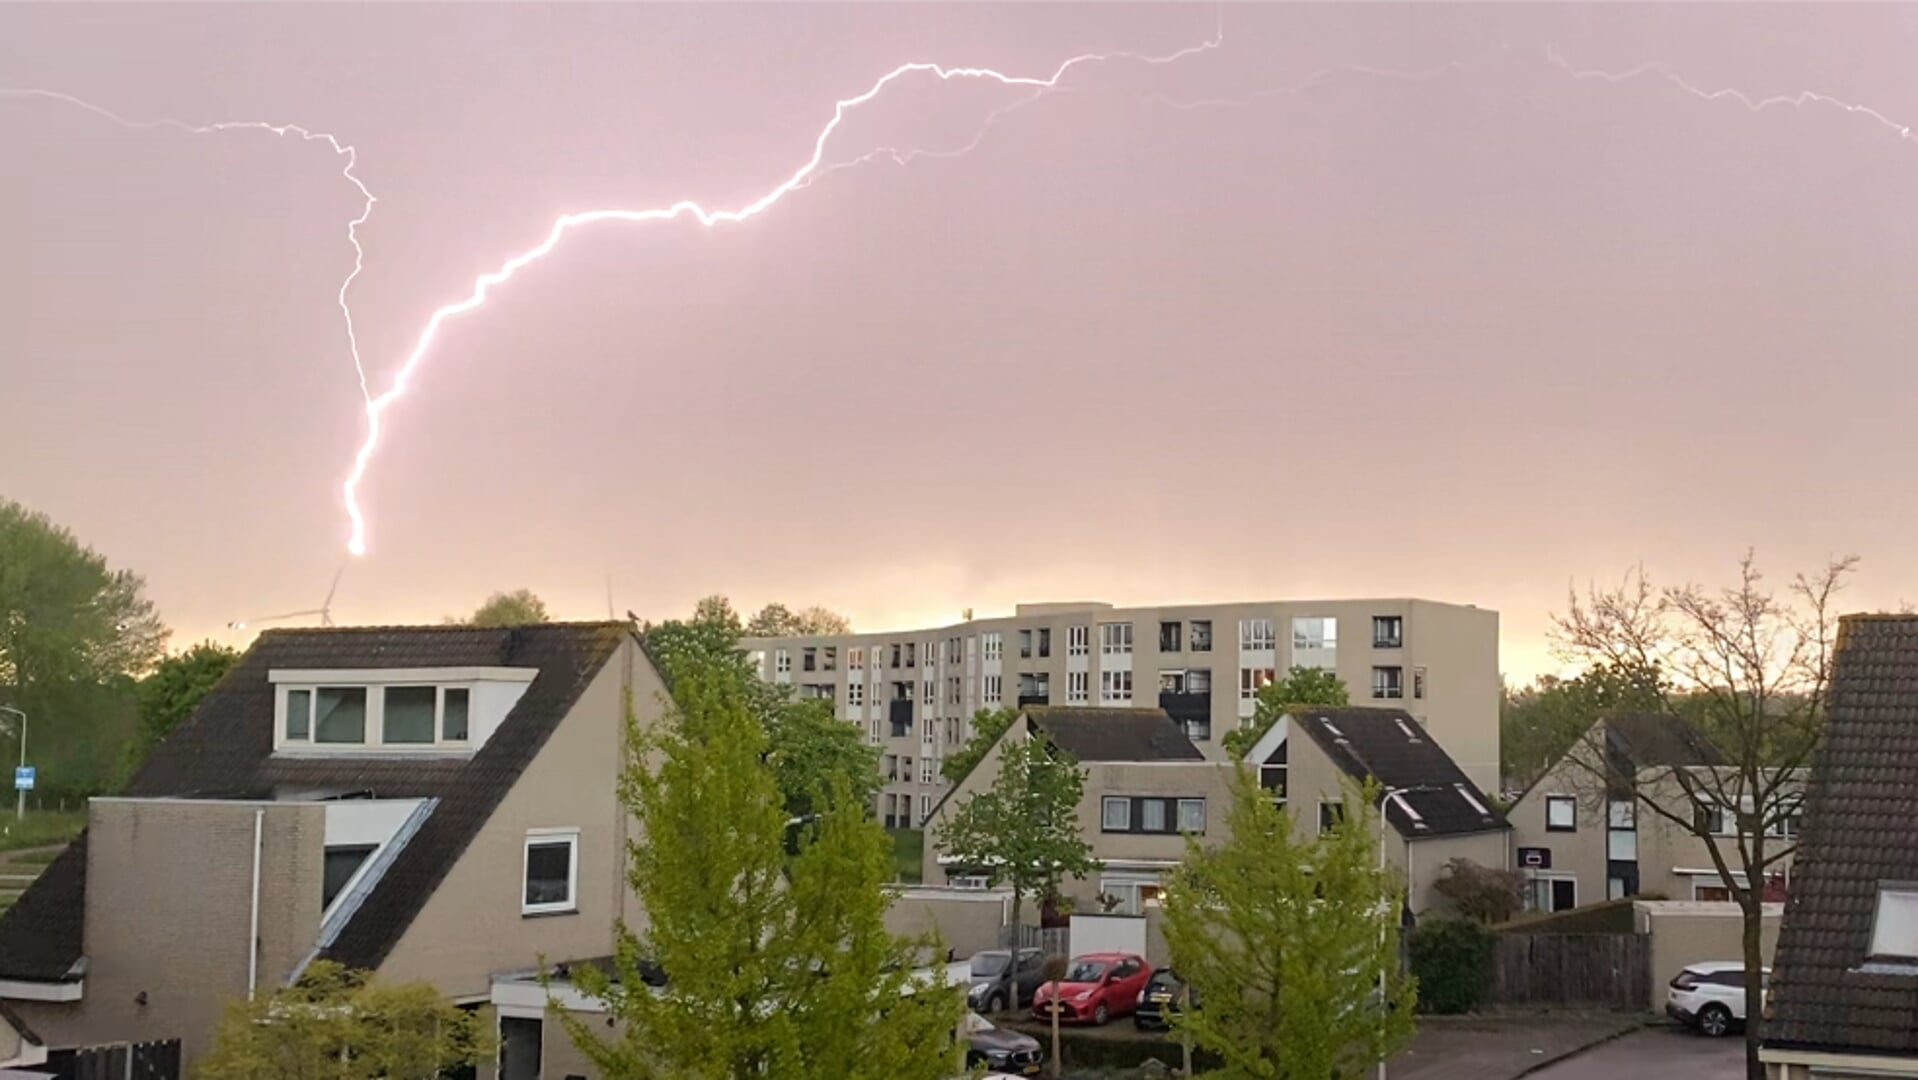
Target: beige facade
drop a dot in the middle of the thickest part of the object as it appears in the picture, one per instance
(1574, 843)
(914, 692)
(965, 920)
(1696, 932)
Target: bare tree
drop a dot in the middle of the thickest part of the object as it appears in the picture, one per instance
(1742, 672)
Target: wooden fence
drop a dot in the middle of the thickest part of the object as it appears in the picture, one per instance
(1573, 971)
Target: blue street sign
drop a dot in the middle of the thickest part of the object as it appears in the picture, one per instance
(23, 778)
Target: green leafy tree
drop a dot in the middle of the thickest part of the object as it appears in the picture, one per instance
(1540, 722)
(778, 620)
(337, 1024)
(1301, 686)
(1023, 831)
(74, 634)
(170, 694)
(774, 965)
(1283, 940)
(987, 726)
(507, 609)
(1481, 894)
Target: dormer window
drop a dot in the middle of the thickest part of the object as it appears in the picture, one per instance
(412, 710)
(1894, 926)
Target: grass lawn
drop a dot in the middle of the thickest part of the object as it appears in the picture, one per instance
(40, 828)
(908, 851)
(34, 858)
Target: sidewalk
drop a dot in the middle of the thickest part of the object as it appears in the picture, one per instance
(1503, 1047)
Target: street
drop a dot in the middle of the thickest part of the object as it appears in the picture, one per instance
(1655, 1054)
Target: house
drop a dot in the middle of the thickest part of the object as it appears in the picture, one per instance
(1307, 758)
(1146, 787)
(914, 692)
(430, 803)
(1582, 837)
(1843, 1000)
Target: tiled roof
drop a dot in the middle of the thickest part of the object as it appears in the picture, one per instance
(1114, 734)
(1654, 740)
(1390, 745)
(225, 750)
(1861, 802)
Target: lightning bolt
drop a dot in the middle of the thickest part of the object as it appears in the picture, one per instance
(305, 134)
(686, 208)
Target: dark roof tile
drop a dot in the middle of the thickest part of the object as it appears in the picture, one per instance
(1390, 745)
(1114, 734)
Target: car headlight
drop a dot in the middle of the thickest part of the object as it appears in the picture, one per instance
(978, 990)
(1141, 1000)
(1082, 995)
(998, 1057)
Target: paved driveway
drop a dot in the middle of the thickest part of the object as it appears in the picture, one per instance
(1659, 1053)
(1501, 1047)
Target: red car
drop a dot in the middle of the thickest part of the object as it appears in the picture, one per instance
(1097, 987)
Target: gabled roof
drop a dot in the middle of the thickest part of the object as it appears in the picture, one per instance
(1659, 740)
(226, 751)
(1113, 734)
(1862, 798)
(1390, 745)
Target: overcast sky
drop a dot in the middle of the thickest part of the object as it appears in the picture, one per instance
(1472, 335)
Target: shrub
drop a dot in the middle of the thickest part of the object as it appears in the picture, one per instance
(1481, 893)
(1452, 959)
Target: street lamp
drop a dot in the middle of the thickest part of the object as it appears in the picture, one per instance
(1385, 798)
(20, 809)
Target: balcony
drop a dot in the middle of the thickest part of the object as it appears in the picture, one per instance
(1192, 711)
(899, 715)
(1026, 700)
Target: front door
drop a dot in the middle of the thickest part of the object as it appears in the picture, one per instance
(519, 1048)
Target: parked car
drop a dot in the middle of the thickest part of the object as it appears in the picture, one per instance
(1711, 996)
(1003, 980)
(999, 1050)
(1096, 987)
(1160, 999)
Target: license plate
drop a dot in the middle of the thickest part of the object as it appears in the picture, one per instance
(1031, 1070)
(1161, 998)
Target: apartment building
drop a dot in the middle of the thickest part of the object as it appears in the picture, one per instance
(916, 691)
(429, 803)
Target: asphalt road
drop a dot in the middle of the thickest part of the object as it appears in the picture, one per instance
(1659, 1053)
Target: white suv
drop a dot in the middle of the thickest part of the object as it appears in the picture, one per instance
(1711, 997)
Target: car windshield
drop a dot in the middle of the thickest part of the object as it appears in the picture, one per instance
(1084, 971)
(990, 964)
(1165, 980)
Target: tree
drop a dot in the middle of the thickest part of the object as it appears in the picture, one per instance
(1301, 686)
(772, 965)
(1744, 672)
(1285, 942)
(170, 694)
(987, 726)
(338, 1024)
(778, 620)
(1540, 722)
(506, 609)
(74, 633)
(1023, 831)
(1481, 894)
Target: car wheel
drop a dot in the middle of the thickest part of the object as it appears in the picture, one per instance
(1714, 1020)
(995, 1003)
(1100, 1015)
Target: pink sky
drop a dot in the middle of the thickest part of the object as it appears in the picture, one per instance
(1474, 336)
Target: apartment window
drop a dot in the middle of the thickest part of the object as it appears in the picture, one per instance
(1192, 815)
(339, 714)
(855, 693)
(829, 657)
(1198, 680)
(551, 872)
(1255, 635)
(925, 808)
(1172, 682)
(809, 659)
(1152, 815)
(1331, 815)
(955, 688)
(1894, 926)
(782, 661)
(1388, 631)
(1077, 683)
(925, 770)
(856, 659)
(1202, 635)
(1561, 813)
(993, 689)
(299, 715)
(1045, 642)
(892, 767)
(1315, 632)
(1418, 684)
(905, 771)
(931, 695)
(912, 654)
(1025, 644)
(1115, 687)
(1116, 814)
(1272, 779)
(955, 650)
(341, 863)
(1078, 640)
(952, 731)
(455, 707)
(407, 714)
(992, 645)
(1115, 639)
(1253, 680)
(925, 733)
(931, 653)
(1035, 688)
(1169, 636)
(1551, 894)
(1388, 682)
(872, 732)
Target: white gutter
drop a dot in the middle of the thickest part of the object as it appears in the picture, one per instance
(253, 938)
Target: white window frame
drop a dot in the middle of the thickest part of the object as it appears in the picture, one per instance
(782, 661)
(1115, 639)
(1078, 687)
(993, 645)
(1257, 635)
(1249, 685)
(925, 808)
(1078, 640)
(855, 693)
(1894, 921)
(541, 837)
(374, 730)
(1315, 632)
(1183, 805)
(1115, 688)
(1105, 814)
(1546, 879)
(855, 658)
(995, 689)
